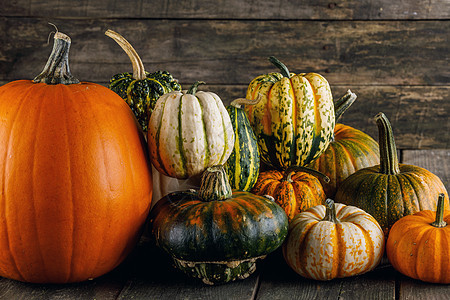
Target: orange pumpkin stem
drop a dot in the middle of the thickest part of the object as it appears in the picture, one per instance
(439, 222)
(138, 66)
(289, 171)
(330, 213)
(57, 69)
(388, 150)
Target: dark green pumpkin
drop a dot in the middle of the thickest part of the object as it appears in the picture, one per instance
(243, 164)
(215, 234)
(390, 190)
(141, 89)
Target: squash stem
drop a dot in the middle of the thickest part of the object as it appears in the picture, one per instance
(244, 101)
(343, 103)
(284, 70)
(57, 69)
(193, 89)
(439, 222)
(330, 213)
(138, 66)
(388, 150)
(291, 169)
(214, 185)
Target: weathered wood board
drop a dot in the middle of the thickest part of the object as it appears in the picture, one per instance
(234, 9)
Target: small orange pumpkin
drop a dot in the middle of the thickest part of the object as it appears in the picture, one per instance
(418, 245)
(76, 181)
(294, 190)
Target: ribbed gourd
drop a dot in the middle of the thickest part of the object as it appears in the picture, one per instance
(295, 189)
(216, 234)
(390, 190)
(140, 89)
(188, 132)
(76, 180)
(243, 164)
(349, 150)
(294, 120)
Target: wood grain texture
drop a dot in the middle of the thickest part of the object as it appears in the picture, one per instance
(415, 289)
(233, 9)
(278, 281)
(436, 161)
(234, 52)
(152, 276)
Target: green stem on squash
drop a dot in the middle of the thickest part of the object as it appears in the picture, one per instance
(214, 185)
(284, 70)
(343, 103)
(388, 150)
(138, 66)
(193, 89)
(291, 169)
(57, 69)
(439, 222)
(330, 213)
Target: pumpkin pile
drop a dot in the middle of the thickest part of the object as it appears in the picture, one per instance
(230, 185)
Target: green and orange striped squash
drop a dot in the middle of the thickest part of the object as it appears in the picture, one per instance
(295, 190)
(333, 241)
(216, 234)
(294, 120)
(188, 132)
(349, 150)
(243, 164)
(390, 191)
(140, 89)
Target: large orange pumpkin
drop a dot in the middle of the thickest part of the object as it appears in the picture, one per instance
(75, 180)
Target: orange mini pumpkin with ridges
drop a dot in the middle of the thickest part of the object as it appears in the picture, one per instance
(418, 245)
(75, 177)
(294, 190)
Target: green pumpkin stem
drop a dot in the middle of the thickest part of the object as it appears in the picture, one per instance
(343, 103)
(284, 70)
(214, 185)
(439, 222)
(291, 169)
(57, 69)
(193, 89)
(330, 213)
(388, 150)
(138, 66)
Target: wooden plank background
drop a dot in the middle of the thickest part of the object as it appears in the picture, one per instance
(394, 55)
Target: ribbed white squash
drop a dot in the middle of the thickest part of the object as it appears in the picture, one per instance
(188, 132)
(333, 241)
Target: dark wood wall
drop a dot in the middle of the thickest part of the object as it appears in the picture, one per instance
(393, 54)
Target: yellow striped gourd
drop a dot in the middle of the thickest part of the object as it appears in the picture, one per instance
(294, 120)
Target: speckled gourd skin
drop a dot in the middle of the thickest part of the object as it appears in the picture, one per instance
(294, 120)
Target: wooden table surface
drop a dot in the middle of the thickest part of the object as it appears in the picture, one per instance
(148, 274)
